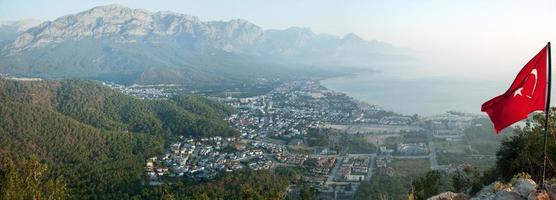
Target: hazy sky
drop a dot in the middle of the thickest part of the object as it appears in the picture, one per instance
(471, 38)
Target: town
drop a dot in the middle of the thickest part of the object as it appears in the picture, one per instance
(278, 129)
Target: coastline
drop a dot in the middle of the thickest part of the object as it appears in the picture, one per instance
(422, 96)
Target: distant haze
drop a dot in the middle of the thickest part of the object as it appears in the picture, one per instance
(116, 43)
(472, 40)
(452, 37)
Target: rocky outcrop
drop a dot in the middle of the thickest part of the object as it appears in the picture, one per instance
(450, 196)
(518, 189)
(507, 195)
(487, 193)
(525, 186)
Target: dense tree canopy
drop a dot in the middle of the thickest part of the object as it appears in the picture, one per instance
(95, 138)
(101, 107)
(22, 179)
(255, 185)
(384, 186)
(522, 152)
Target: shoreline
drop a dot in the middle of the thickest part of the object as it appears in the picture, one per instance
(438, 95)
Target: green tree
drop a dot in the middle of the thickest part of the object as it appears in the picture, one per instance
(522, 152)
(465, 178)
(394, 187)
(26, 179)
(306, 191)
(427, 186)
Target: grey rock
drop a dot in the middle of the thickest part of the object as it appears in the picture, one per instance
(524, 186)
(487, 193)
(449, 196)
(506, 195)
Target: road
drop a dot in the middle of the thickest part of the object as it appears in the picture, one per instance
(334, 172)
(434, 163)
(370, 173)
(413, 157)
(340, 160)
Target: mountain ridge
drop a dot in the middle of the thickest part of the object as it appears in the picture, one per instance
(125, 45)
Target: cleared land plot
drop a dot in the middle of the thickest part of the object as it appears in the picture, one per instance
(336, 126)
(410, 167)
(381, 139)
(379, 128)
(480, 161)
(452, 147)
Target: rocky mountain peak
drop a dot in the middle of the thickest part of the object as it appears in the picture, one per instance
(302, 33)
(20, 25)
(124, 24)
(108, 7)
(352, 37)
(172, 14)
(97, 22)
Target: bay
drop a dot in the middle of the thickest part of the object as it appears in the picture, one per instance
(424, 96)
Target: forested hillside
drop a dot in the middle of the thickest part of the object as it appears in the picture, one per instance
(94, 138)
(101, 107)
(237, 185)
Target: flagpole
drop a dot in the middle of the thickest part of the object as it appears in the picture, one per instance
(546, 118)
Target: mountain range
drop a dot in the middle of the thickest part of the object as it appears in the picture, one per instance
(10, 30)
(127, 45)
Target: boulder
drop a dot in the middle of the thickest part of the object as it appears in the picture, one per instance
(524, 186)
(487, 193)
(449, 196)
(507, 195)
(538, 195)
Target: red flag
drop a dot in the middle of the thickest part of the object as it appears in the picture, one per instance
(527, 94)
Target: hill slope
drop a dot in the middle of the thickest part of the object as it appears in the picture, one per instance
(101, 107)
(93, 161)
(96, 138)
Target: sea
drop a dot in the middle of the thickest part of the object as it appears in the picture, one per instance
(424, 96)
